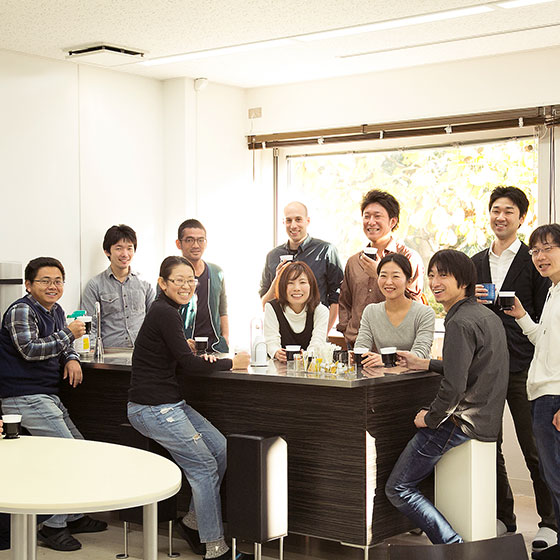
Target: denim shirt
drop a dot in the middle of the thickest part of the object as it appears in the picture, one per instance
(123, 306)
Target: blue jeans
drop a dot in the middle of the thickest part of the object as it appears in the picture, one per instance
(45, 415)
(548, 443)
(197, 447)
(415, 463)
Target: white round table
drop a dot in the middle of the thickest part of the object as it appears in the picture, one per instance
(43, 475)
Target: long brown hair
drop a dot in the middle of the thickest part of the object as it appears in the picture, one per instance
(290, 272)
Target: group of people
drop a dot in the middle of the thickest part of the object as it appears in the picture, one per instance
(488, 354)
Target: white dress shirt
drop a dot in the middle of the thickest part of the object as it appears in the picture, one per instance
(499, 265)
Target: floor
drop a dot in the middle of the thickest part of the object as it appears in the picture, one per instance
(106, 545)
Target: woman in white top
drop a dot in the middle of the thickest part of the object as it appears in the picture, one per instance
(296, 316)
(398, 321)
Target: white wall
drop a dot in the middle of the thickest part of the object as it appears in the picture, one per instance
(39, 167)
(80, 149)
(468, 86)
(210, 178)
(121, 166)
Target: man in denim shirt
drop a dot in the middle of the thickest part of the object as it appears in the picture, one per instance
(123, 296)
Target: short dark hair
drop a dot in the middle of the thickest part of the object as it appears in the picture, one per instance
(34, 265)
(517, 196)
(294, 270)
(400, 260)
(169, 263)
(190, 223)
(388, 201)
(542, 233)
(117, 233)
(450, 261)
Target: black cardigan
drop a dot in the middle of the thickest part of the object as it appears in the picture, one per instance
(161, 352)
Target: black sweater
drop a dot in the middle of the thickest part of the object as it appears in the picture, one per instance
(161, 352)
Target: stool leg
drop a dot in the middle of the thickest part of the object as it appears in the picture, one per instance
(258, 551)
(125, 553)
(281, 552)
(366, 552)
(171, 554)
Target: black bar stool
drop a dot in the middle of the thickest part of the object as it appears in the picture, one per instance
(167, 509)
(257, 489)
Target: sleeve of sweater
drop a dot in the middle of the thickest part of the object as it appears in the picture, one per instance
(424, 324)
(320, 326)
(271, 330)
(366, 338)
(530, 329)
(171, 328)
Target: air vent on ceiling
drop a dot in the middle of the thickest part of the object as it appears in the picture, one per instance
(105, 55)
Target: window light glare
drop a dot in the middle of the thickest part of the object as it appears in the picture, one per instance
(394, 23)
(521, 3)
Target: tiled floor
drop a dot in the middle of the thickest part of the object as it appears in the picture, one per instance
(109, 543)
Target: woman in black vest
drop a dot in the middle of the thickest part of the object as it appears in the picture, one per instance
(296, 316)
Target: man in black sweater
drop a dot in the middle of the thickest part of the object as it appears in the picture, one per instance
(507, 264)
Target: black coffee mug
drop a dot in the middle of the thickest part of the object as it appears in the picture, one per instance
(12, 425)
(359, 356)
(291, 351)
(506, 300)
(201, 343)
(389, 356)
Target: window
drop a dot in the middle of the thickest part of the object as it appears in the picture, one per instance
(443, 192)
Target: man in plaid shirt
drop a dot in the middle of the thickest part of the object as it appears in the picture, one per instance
(36, 355)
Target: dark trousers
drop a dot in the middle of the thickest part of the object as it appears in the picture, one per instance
(520, 409)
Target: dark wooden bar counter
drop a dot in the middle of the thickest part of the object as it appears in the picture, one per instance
(344, 434)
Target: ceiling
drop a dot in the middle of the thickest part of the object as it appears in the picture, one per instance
(162, 28)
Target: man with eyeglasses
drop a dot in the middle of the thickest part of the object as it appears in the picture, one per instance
(507, 264)
(543, 383)
(123, 296)
(36, 356)
(321, 256)
(205, 315)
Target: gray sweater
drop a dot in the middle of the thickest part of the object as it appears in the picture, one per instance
(415, 333)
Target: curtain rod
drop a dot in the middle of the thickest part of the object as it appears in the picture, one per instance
(531, 116)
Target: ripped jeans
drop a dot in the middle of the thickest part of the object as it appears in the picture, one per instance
(198, 448)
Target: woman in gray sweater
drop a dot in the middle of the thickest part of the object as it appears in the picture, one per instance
(398, 321)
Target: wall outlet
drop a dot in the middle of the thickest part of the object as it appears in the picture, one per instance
(255, 113)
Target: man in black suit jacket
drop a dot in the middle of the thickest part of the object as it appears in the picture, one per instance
(508, 265)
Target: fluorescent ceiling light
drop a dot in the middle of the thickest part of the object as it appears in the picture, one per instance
(520, 3)
(394, 23)
(218, 52)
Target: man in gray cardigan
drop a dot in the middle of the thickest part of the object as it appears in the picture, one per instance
(470, 400)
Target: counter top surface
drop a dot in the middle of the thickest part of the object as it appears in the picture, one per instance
(273, 372)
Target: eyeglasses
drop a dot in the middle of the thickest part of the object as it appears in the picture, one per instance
(193, 240)
(544, 250)
(179, 282)
(46, 282)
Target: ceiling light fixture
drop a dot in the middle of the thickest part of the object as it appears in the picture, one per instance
(394, 23)
(520, 3)
(218, 52)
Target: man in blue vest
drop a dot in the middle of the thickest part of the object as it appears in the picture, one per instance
(205, 315)
(36, 356)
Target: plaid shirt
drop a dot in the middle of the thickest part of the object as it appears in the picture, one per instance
(22, 325)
